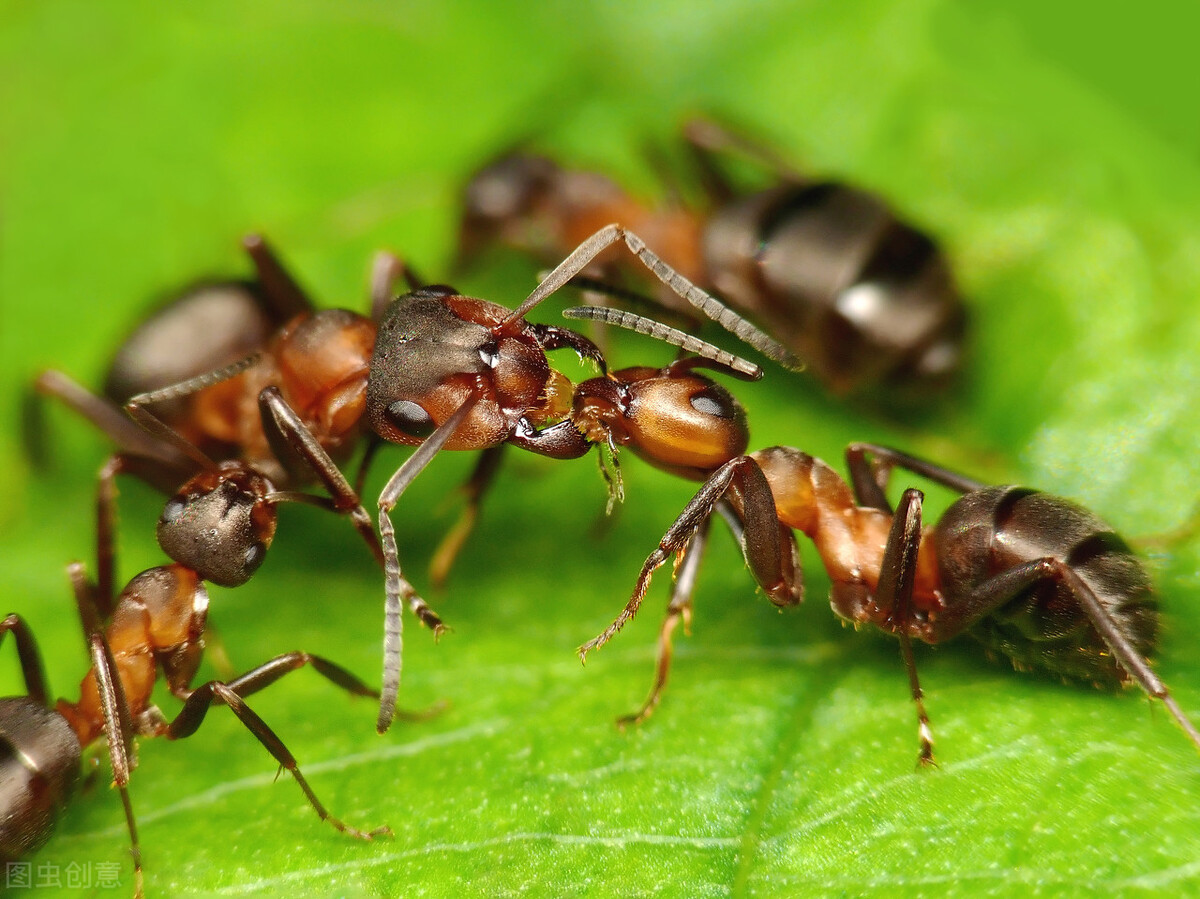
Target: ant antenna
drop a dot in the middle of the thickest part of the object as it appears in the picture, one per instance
(631, 321)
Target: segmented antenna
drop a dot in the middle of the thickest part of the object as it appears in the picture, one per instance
(631, 321)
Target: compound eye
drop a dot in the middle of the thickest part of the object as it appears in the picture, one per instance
(410, 418)
(173, 510)
(489, 352)
(256, 553)
(709, 402)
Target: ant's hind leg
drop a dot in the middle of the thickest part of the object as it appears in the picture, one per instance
(1002, 588)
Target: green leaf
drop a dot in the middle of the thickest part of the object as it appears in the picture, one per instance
(140, 141)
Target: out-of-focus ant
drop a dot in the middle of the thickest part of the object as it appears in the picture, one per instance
(154, 628)
(864, 298)
(1031, 576)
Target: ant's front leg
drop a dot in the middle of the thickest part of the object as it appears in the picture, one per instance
(396, 586)
(199, 700)
(118, 721)
(300, 452)
(768, 552)
(678, 609)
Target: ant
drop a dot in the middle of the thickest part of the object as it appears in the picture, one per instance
(154, 628)
(1030, 576)
(863, 297)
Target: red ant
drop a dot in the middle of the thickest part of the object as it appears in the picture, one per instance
(452, 372)
(861, 296)
(1031, 576)
(155, 627)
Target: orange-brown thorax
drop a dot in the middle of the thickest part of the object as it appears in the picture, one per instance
(812, 498)
(159, 619)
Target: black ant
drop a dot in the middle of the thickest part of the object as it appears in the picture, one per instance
(864, 298)
(154, 628)
(1031, 576)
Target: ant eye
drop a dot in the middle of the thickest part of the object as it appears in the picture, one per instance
(706, 402)
(255, 554)
(173, 510)
(410, 418)
(490, 353)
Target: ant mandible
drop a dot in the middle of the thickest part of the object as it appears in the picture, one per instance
(1031, 576)
(867, 300)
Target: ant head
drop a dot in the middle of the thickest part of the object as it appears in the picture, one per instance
(503, 203)
(220, 524)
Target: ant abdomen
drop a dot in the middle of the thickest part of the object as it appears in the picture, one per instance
(1002, 528)
(39, 771)
(863, 297)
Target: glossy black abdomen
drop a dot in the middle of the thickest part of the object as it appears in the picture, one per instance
(1045, 626)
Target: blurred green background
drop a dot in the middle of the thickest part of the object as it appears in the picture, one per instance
(1054, 153)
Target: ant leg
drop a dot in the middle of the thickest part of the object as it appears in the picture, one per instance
(162, 466)
(31, 659)
(386, 270)
(777, 572)
(364, 465)
(263, 676)
(194, 709)
(136, 407)
(268, 673)
(897, 572)
(475, 488)
(118, 722)
(1003, 587)
(679, 609)
(582, 256)
(106, 524)
(280, 294)
(552, 337)
(396, 586)
(705, 138)
(291, 440)
(871, 479)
